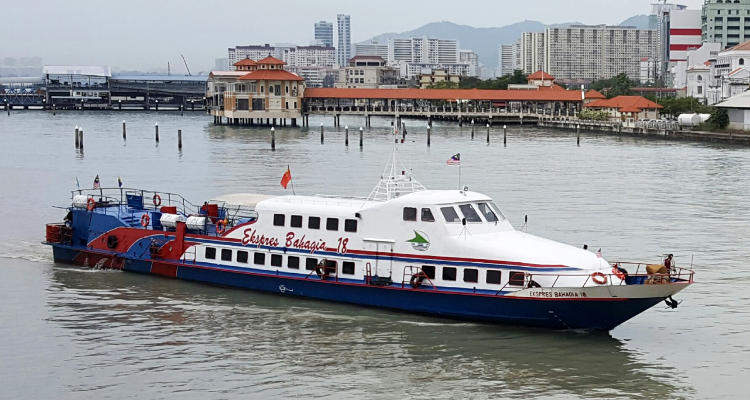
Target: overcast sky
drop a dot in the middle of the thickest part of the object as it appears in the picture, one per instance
(146, 34)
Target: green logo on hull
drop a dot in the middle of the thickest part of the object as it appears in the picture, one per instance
(420, 241)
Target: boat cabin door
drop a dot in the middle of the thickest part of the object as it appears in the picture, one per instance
(382, 265)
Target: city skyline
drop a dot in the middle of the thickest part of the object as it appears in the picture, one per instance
(88, 36)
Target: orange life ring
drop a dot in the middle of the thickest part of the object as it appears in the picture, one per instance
(221, 226)
(90, 204)
(599, 278)
(145, 219)
(617, 272)
(157, 200)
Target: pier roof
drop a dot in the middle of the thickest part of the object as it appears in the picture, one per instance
(245, 62)
(271, 75)
(624, 103)
(445, 94)
(594, 94)
(270, 61)
(541, 75)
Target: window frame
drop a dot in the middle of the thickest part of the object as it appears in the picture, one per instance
(279, 219)
(262, 256)
(345, 266)
(452, 208)
(470, 207)
(475, 272)
(430, 275)
(329, 224)
(208, 250)
(310, 266)
(348, 225)
(513, 278)
(243, 254)
(409, 218)
(278, 257)
(493, 271)
(422, 215)
(293, 218)
(288, 265)
(311, 219)
(448, 269)
(224, 252)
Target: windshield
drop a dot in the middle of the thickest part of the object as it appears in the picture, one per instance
(497, 210)
(485, 209)
(469, 213)
(449, 213)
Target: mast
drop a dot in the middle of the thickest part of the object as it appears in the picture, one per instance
(396, 180)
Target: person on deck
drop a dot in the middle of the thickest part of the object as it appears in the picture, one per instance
(668, 263)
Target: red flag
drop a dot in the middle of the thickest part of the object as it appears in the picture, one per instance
(286, 178)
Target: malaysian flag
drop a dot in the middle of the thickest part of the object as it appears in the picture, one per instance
(96, 182)
(119, 182)
(454, 160)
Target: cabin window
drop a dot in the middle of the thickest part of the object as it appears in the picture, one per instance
(427, 215)
(515, 278)
(259, 259)
(210, 253)
(350, 225)
(295, 221)
(410, 214)
(471, 275)
(292, 262)
(278, 219)
(449, 274)
(429, 270)
(469, 213)
(332, 224)
(330, 266)
(485, 209)
(311, 263)
(242, 257)
(226, 255)
(493, 277)
(276, 260)
(450, 214)
(313, 223)
(347, 268)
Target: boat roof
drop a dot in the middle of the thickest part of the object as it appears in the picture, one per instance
(243, 199)
(438, 197)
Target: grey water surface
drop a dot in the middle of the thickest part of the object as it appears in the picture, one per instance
(70, 333)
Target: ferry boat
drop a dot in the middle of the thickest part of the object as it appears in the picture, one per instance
(447, 253)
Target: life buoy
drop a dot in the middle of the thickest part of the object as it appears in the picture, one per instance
(112, 241)
(417, 279)
(145, 219)
(221, 226)
(321, 270)
(157, 200)
(619, 272)
(90, 204)
(599, 278)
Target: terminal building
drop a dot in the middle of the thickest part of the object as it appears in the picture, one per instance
(256, 92)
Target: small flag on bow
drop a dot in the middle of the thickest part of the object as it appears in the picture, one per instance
(96, 182)
(455, 159)
(286, 178)
(119, 182)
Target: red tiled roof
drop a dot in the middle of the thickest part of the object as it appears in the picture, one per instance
(270, 61)
(245, 62)
(541, 75)
(271, 75)
(741, 46)
(624, 103)
(593, 94)
(444, 94)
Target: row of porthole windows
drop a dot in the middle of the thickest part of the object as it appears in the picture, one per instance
(277, 260)
(471, 275)
(332, 224)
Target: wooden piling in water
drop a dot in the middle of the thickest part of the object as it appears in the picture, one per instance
(428, 135)
(361, 134)
(179, 139)
(578, 134)
(488, 133)
(156, 132)
(77, 140)
(346, 136)
(273, 139)
(472, 129)
(505, 135)
(124, 131)
(321, 133)
(80, 138)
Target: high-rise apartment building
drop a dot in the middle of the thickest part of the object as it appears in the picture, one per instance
(344, 49)
(415, 56)
(324, 33)
(507, 59)
(726, 22)
(582, 53)
(663, 13)
(531, 50)
(371, 49)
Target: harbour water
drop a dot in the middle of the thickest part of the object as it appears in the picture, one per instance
(74, 333)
